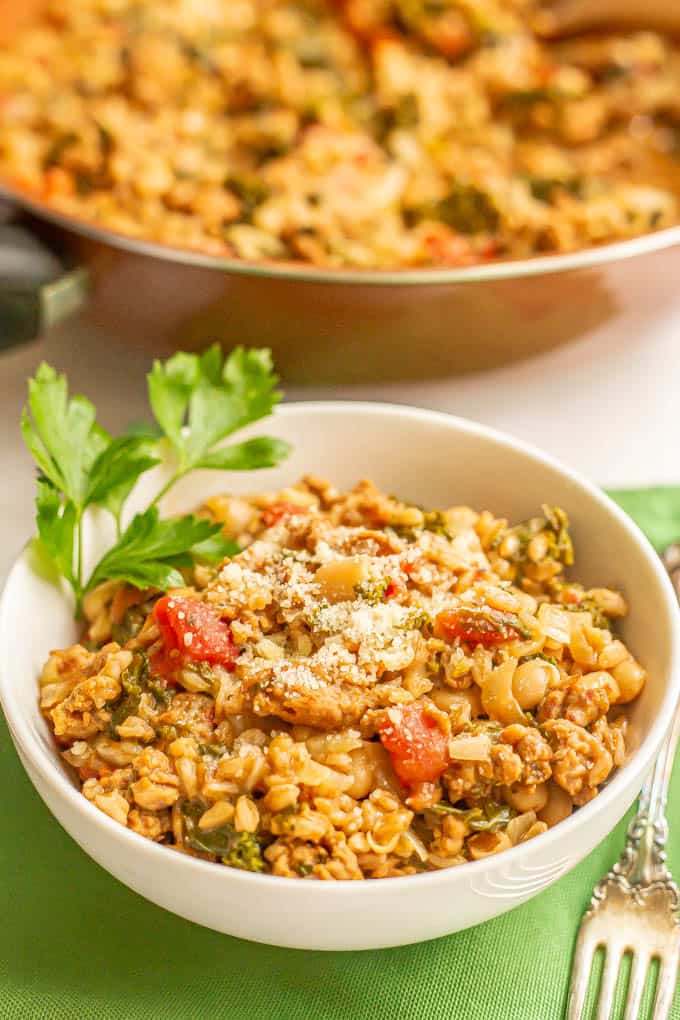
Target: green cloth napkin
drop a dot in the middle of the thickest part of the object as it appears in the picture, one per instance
(75, 944)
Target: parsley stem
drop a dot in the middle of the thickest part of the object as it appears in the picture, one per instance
(168, 485)
(79, 565)
(79, 539)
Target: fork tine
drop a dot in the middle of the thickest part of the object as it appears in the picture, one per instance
(636, 986)
(610, 973)
(665, 986)
(580, 976)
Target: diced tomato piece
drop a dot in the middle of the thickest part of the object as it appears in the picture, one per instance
(454, 43)
(394, 590)
(416, 744)
(450, 249)
(478, 626)
(491, 248)
(277, 511)
(192, 631)
(58, 182)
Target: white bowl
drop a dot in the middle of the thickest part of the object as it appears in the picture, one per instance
(432, 459)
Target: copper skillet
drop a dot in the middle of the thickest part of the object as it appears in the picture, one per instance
(340, 325)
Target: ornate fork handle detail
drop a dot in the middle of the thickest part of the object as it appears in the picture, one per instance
(643, 860)
(641, 869)
(641, 872)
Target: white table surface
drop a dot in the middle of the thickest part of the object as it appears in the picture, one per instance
(606, 405)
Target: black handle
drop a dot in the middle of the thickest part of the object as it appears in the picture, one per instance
(37, 289)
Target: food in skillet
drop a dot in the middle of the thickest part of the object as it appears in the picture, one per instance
(365, 133)
(366, 689)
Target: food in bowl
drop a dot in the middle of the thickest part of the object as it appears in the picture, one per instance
(448, 460)
(348, 133)
(367, 690)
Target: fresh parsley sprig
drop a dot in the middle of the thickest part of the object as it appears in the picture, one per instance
(197, 401)
(150, 551)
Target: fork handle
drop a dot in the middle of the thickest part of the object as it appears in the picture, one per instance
(644, 858)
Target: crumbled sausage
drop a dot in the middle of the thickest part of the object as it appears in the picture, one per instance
(580, 760)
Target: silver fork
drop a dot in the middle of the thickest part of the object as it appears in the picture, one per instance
(635, 908)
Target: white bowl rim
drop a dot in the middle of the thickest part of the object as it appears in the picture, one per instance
(46, 763)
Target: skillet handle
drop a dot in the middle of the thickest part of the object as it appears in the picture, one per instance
(36, 289)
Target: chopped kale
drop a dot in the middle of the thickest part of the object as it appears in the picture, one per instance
(406, 532)
(416, 619)
(488, 726)
(561, 547)
(579, 601)
(555, 523)
(587, 605)
(435, 521)
(204, 670)
(57, 149)
(468, 210)
(167, 733)
(538, 655)
(161, 693)
(218, 841)
(246, 853)
(612, 72)
(527, 97)
(486, 818)
(131, 624)
(372, 590)
(132, 681)
(250, 191)
(237, 849)
(212, 750)
(391, 118)
(523, 533)
(545, 189)
(135, 681)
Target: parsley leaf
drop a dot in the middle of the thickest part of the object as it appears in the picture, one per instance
(214, 397)
(117, 468)
(214, 549)
(197, 401)
(151, 549)
(79, 465)
(56, 521)
(262, 452)
(62, 434)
